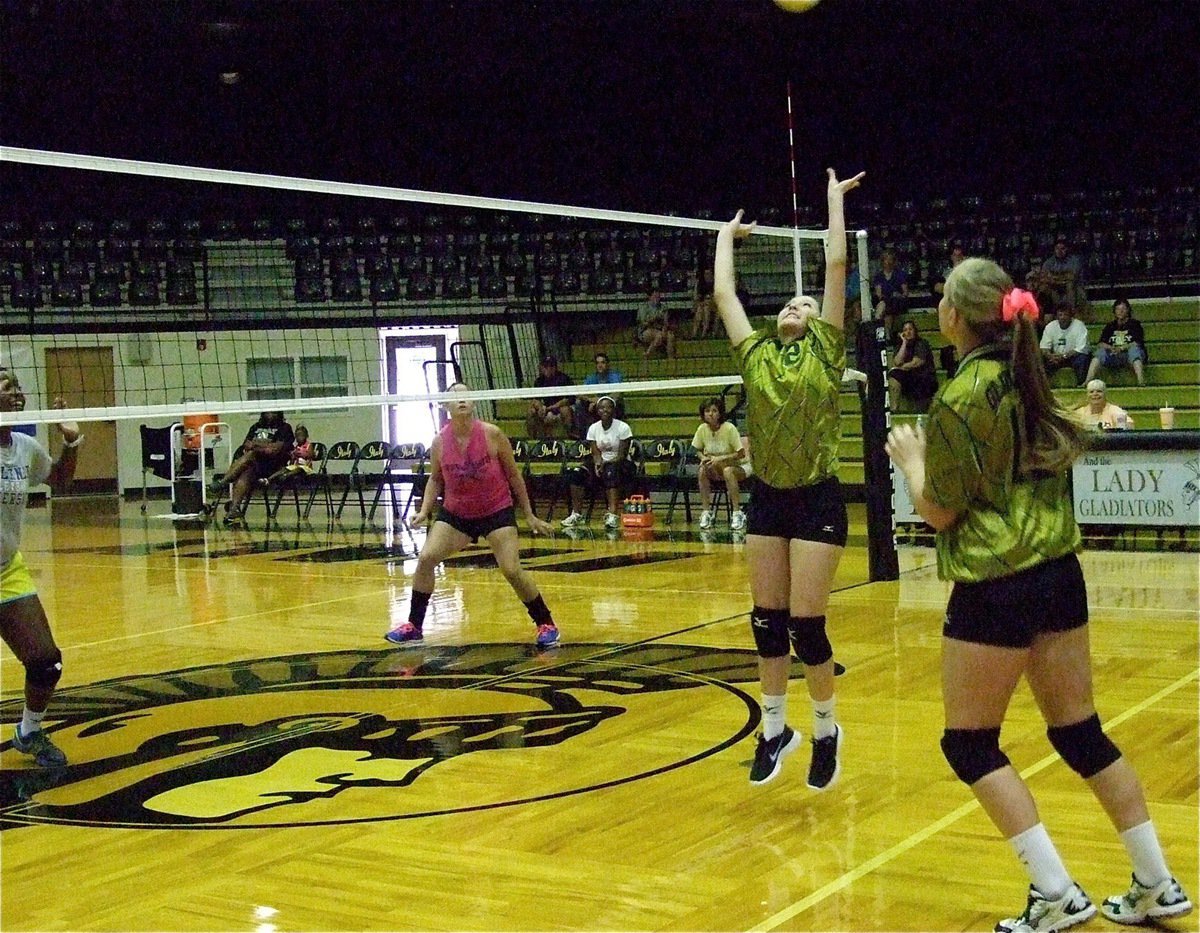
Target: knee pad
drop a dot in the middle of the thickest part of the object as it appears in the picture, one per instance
(1084, 746)
(808, 637)
(973, 753)
(770, 628)
(45, 671)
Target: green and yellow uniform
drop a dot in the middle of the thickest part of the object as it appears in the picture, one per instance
(1010, 522)
(793, 417)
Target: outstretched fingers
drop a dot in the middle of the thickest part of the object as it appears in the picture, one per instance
(737, 228)
(846, 185)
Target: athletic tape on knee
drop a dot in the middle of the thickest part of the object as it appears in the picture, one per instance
(973, 753)
(44, 672)
(770, 628)
(809, 638)
(1084, 746)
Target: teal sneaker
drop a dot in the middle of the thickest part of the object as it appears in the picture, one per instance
(38, 744)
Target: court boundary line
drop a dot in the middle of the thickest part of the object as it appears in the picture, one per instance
(912, 841)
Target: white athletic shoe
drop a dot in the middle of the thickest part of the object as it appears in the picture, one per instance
(1141, 903)
(737, 521)
(1046, 916)
(572, 520)
(612, 520)
(706, 519)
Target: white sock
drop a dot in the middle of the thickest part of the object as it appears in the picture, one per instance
(774, 714)
(1041, 861)
(31, 722)
(824, 724)
(1149, 866)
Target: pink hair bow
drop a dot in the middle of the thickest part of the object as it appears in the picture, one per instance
(1019, 301)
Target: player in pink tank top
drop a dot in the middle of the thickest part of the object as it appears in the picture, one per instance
(474, 484)
(474, 471)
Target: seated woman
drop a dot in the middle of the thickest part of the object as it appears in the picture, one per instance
(654, 329)
(912, 375)
(1122, 343)
(610, 465)
(1099, 412)
(267, 448)
(722, 459)
(704, 307)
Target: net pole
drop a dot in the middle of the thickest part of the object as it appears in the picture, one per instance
(796, 251)
(883, 562)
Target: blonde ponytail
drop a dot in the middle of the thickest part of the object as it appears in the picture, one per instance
(1051, 439)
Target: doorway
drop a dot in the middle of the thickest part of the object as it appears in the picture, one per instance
(416, 362)
(83, 378)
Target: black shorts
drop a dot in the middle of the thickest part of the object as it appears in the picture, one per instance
(808, 513)
(914, 383)
(1011, 611)
(477, 528)
(613, 474)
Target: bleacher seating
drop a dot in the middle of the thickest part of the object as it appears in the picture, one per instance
(1172, 376)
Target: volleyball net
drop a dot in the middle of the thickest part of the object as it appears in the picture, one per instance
(230, 290)
(152, 293)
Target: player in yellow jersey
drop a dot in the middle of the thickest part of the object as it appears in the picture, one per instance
(989, 472)
(796, 528)
(24, 464)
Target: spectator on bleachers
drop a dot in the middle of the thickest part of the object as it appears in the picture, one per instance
(912, 376)
(722, 459)
(890, 290)
(585, 406)
(552, 412)
(1122, 343)
(1065, 343)
(610, 466)
(1059, 282)
(937, 283)
(704, 309)
(853, 295)
(1099, 412)
(654, 330)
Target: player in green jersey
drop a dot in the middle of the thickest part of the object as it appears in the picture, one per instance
(796, 529)
(989, 472)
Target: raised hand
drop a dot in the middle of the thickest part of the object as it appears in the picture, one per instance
(736, 229)
(69, 429)
(838, 188)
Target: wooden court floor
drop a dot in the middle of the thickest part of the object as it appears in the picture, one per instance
(248, 753)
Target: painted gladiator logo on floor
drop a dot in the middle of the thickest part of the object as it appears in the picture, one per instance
(361, 736)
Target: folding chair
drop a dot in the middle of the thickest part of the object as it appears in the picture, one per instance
(544, 469)
(322, 479)
(683, 480)
(578, 454)
(370, 452)
(295, 482)
(658, 458)
(405, 467)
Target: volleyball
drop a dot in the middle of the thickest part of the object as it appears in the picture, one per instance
(796, 6)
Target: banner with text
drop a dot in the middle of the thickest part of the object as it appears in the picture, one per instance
(1138, 487)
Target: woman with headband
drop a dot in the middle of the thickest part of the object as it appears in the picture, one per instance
(610, 465)
(990, 473)
(796, 526)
